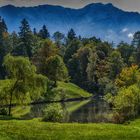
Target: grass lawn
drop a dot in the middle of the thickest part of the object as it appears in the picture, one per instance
(37, 130)
(72, 90)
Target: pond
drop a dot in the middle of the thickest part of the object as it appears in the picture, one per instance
(84, 111)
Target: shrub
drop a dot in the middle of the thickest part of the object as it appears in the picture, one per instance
(3, 111)
(53, 113)
(118, 118)
(127, 102)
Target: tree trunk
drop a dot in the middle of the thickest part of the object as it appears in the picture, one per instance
(10, 105)
(11, 97)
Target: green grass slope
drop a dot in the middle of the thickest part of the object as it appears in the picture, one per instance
(36, 130)
(70, 90)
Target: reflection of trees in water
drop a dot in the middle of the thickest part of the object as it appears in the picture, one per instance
(35, 111)
(94, 111)
(65, 112)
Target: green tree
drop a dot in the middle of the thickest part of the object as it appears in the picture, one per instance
(126, 51)
(46, 50)
(136, 44)
(25, 36)
(5, 45)
(77, 66)
(44, 33)
(24, 84)
(71, 49)
(127, 102)
(116, 64)
(71, 35)
(3, 30)
(58, 37)
(128, 76)
(56, 69)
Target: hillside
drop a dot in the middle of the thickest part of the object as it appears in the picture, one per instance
(69, 90)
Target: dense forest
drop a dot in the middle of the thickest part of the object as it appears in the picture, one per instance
(33, 62)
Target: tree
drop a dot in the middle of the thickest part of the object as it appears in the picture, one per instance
(46, 50)
(58, 37)
(71, 35)
(116, 64)
(126, 51)
(5, 45)
(77, 66)
(104, 47)
(3, 30)
(56, 69)
(128, 76)
(35, 32)
(24, 84)
(136, 44)
(71, 49)
(91, 68)
(127, 102)
(136, 39)
(43, 33)
(15, 43)
(25, 36)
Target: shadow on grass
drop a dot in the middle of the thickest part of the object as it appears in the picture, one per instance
(4, 117)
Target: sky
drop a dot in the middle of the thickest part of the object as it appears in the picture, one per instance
(127, 5)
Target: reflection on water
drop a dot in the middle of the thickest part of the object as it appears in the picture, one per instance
(91, 112)
(79, 111)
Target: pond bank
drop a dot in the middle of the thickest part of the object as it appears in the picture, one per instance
(48, 102)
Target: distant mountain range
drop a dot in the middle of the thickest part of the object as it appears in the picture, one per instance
(101, 20)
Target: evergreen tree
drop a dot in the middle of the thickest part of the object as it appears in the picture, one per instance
(5, 45)
(44, 33)
(35, 32)
(25, 35)
(71, 35)
(72, 48)
(3, 30)
(15, 42)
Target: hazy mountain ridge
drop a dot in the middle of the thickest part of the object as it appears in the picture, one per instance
(101, 20)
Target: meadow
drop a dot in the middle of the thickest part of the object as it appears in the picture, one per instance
(37, 130)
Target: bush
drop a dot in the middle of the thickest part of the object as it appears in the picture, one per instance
(3, 111)
(127, 102)
(118, 118)
(53, 113)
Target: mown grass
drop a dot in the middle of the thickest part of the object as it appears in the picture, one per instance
(37, 130)
(71, 90)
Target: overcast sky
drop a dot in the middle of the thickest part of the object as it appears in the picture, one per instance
(128, 5)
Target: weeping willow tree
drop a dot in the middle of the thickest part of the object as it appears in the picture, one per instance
(23, 84)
